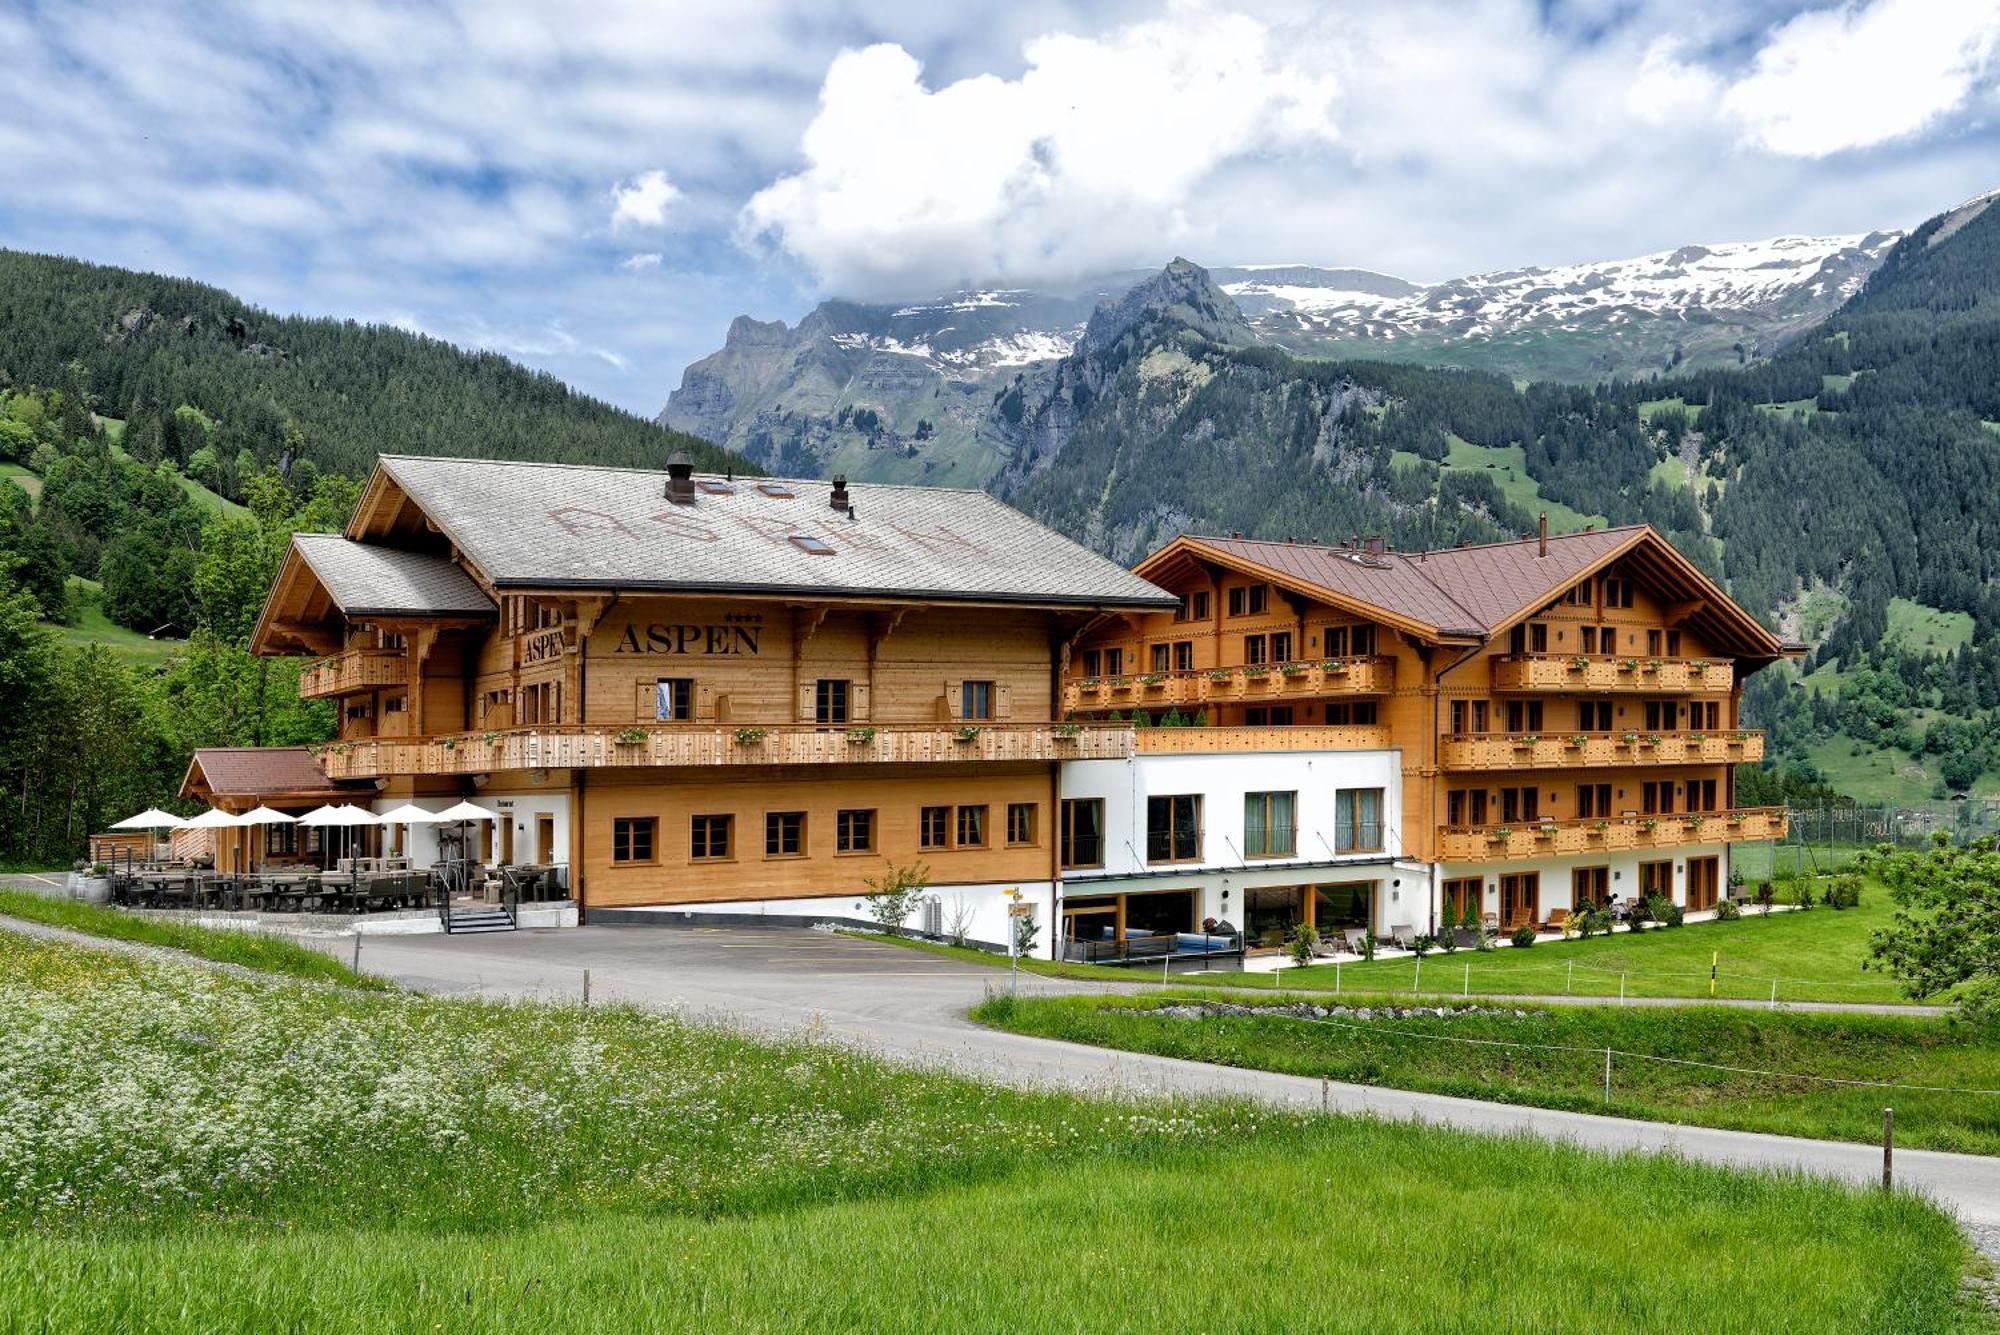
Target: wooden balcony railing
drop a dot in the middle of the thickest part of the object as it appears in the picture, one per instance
(562, 746)
(1586, 750)
(1206, 741)
(1275, 681)
(1586, 672)
(355, 671)
(1561, 838)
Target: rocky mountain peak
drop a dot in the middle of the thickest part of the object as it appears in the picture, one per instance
(1184, 293)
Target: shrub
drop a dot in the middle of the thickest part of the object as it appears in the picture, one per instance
(1523, 937)
(1368, 945)
(1300, 947)
(1844, 892)
(893, 898)
(1802, 893)
(1656, 906)
(1727, 910)
(1422, 945)
(1675, 915)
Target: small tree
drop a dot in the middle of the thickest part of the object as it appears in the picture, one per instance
(893, 898)
(1026, 931)
(958, 921)
(1304, 938)
(1945, 932)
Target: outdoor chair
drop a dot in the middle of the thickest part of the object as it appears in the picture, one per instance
(1403, 936)
(1557, 917)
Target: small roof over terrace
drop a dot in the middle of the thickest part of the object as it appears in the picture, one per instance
(327, 578)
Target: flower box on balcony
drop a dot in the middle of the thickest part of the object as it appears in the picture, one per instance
(1652, 739)
(1576, 742)
(1735, 818)
(1546, 832)
(751, 736)
(1599, 828)
(1649, 825)
(1066, 732)
(1222, 674)
(1091, 684)
(1629, 665)
(860, 736)
(1697, 737)
(966, 734)
(1499, 836)
(1692, 823)
(1334, 667)
(1526, 743)
(1579, 664)
(1256, 673)
(1293, 669)
(629, 736)
(1151, 680)
(1654, 665)
(1630, 739)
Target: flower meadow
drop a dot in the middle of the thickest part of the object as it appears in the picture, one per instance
(141, 1088)
(189, 1150)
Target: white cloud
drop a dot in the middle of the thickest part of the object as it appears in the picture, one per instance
(640, 263)
(1095, 156)
(1666, 87)
(1855, 76)
(642, 201)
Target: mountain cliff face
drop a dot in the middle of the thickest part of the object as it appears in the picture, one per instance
(911, 392)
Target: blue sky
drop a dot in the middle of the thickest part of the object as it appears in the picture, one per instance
(597, 189)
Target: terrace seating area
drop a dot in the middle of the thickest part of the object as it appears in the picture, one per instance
(352, 886)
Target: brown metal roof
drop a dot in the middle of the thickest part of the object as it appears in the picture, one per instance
(261, 772)
(1471, 592)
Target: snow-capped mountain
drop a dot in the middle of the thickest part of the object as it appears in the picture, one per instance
(907, 391)
(1764, 289)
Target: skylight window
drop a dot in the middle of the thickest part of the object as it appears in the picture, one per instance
(715, 488)
(811, 546)
(775, 490)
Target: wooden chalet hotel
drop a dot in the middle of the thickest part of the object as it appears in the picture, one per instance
(750, 696)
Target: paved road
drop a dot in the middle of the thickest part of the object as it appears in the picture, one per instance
(910, 1006)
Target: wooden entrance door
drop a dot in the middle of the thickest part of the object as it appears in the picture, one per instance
(545, 838)
(1704, 882)
(1520, 900)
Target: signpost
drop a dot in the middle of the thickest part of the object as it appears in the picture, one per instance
(1017, 908)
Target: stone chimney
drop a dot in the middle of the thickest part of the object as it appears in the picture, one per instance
(680, 479)
(838, 500)
(1542, 529)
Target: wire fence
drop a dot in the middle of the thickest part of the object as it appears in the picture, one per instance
(1826, 836)
(1464, 974)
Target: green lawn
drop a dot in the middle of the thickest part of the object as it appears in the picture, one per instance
(93, 627)
(1813, 956)
(1507, 465)
(251, 950)
(22, 477)
(1554, 1058)
(1652, 408)
(1793, 408)
(1923, 629)
(1838, 384)
(187, 1151)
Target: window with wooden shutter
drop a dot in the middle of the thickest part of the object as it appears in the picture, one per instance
(704, 702)
(1003, 700)
(859, 701)
(953, 695)
(805, 714)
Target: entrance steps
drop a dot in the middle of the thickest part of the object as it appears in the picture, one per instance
(478, 918)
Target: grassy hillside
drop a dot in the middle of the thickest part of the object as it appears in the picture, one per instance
(93, 627)
(320, 1158)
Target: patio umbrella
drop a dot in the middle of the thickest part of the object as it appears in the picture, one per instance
(464, 814)
(215, 818)
(343, 816)
(266, 816)
(152, 818)
(408, 814)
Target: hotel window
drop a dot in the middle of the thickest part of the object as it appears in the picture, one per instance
(1524, 716)
(1162, 657)
(1657, 799)
(1093, 663)
(1361, 641)
(830, 696)
(1173, 829)
(1281, 647)
(1254, 649)
(854, 831)
(1462, 896)
(1520, 803)
(1662, 715)
(1593, 715)
(1200, 612)
(1268, 716)
(1668, 643)
(1468, 716)
(1590, 885)
(673, 699)
(1531, 638)
(1238, 600)
(784, 834)
(1465, 806)
(1577, 595)
(972, 827)
(708, 838)
(1656, 878)
(1593, 799)
(975, 699)
(1184, 655)
(1617, 593)
(632, 838)
(1269, 828)
(1114, 662)
(934, 827)
(1083, 832)
(1020, 823)
(1360, 713)
(1705, 714)
(1701, 795)
(1260, 598)
(1357, 820)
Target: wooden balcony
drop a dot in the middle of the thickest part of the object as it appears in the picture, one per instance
(353, 672)
(1216, 741)
(1233, 685)
(566, 746)
(1597, 750)
(1528, 840)
(1609, 673)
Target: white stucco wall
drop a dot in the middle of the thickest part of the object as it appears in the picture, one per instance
(985, 908)
(420, 842)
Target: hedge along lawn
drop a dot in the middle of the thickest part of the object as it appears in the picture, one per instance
(187, 1150)
(1812, 956)
(251, 950)
(1415, 1052)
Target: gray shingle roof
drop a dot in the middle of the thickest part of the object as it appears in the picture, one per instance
(382, 581)
(567, 525)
